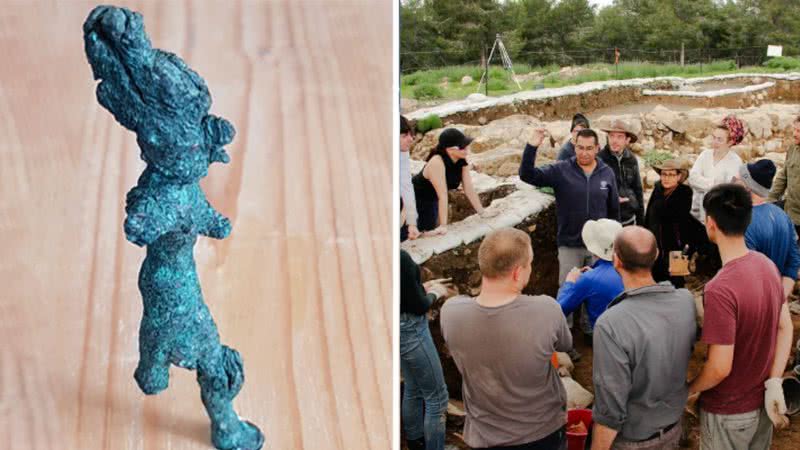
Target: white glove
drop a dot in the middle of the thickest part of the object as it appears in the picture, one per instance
(437, 289)
(775, 403)
(441, 287)
(565, 362)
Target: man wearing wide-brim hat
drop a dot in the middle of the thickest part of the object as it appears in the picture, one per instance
(618, 156)
(597, 285)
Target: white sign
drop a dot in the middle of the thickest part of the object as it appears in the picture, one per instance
(774, 50)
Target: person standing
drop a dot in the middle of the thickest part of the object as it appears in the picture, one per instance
(771, 231)
(716, 165)
(513, 398)
(787, 182)
(643, 344)
(585, 189)
(669, 218)
(748, 331)
(567, 151)
(424, 405)
(618, 156)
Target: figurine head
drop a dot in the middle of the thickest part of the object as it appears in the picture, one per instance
(154, 94)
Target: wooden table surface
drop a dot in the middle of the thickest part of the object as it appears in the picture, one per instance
(303, 285)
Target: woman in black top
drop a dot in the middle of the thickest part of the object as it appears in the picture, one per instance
(447, 169)
(425, 397)
(669, 217)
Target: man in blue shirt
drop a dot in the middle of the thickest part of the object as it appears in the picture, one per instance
(599, 285)
(771, 231)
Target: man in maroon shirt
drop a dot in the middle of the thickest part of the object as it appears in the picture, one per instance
(748, 330)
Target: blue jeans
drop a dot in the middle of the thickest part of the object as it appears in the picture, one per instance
(425, 397)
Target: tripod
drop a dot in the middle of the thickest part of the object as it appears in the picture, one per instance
(498, 44)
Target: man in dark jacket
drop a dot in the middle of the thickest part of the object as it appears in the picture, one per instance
(585, 189)
(618, 156)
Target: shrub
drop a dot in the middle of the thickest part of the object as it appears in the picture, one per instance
(427, 92)
(497, 85)
(428, 123)
(655, 157)
(497, 73)
(783, 62)
(412, 79)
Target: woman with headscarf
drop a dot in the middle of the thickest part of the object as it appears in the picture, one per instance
(446, 169)
(716, 165)
(669, 217)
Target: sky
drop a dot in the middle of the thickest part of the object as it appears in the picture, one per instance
(600, 3)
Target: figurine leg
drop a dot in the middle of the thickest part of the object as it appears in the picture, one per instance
(152, 373)
(220, 375)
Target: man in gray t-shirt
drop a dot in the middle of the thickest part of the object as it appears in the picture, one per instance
(502, 342)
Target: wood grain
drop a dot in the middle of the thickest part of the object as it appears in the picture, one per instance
(302, 287)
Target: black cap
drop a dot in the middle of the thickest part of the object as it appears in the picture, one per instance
(452, 137)
(757, 176)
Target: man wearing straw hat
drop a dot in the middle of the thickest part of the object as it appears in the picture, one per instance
(597, 285)
(618, 156)
(643, 345)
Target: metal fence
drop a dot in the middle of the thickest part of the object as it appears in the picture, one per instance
(412, 61)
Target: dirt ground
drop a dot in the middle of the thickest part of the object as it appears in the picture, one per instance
(788, 438)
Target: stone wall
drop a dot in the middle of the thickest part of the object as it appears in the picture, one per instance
(497, 146)
(560, 103)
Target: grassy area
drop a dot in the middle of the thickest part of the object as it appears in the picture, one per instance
(429, 84)
(655, 157)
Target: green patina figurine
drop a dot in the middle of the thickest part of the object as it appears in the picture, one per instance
(157, 96)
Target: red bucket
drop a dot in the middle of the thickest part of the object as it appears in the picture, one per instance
(576, 441)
